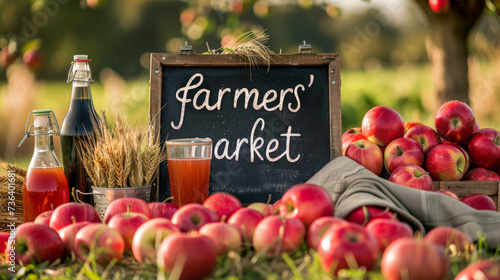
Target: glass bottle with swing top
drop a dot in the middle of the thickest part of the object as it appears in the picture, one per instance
(45, 186)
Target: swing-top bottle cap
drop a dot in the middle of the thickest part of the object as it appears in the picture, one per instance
(79, 72)
(80, 57)
(42, 118)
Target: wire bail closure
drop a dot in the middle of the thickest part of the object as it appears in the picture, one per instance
(71, 78)
(27, 129)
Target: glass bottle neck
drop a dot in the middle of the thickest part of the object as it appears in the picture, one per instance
(44, 142)
(81, 90)
(44, 155)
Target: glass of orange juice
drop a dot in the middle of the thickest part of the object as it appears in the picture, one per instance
(189, 169)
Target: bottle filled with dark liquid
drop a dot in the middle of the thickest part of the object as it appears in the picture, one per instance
(46, 186)
(78, 125)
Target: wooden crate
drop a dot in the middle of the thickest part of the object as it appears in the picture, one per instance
(465, 188)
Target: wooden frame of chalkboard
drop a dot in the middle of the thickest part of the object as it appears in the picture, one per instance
(273, 125)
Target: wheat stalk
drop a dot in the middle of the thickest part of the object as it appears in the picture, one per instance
(127, 168)
(6, 196)
(15, 167)
(251, 47)
(119, 155)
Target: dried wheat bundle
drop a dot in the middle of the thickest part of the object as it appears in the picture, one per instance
(250, 46)
(6, 194)
(119, 155)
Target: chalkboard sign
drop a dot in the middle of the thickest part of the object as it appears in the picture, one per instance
(272, 127)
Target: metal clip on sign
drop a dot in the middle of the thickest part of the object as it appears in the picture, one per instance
(305, 48)
(186, 49)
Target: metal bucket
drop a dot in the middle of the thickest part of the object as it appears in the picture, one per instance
(104, 196)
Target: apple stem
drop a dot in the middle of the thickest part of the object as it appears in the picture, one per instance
(52, 206)
(269, 199)
(73, 194)
(395, 216)
(168, 198)
(418, 235)
(497, 140)
(400, 150)
(128, 209)
(223, 218)
(366, 215)
(73, 219)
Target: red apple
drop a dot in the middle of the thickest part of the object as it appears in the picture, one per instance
(450, 239)
(226, 237)
(276, 207)
(306, 202)
(193, 216)
(387, 231)
(4, 239)
(425, 136)
(126, 224)
(318, 227)
(162, 209)
(33, 59)
(246, 220)
(448, 193)
(455, 121)
(439, 6)
(367, 154)
(148, 238)
(382, 124)
(264, 208)
(44, 218)
(73, 212)
(68, 235)
(446, 162)
(351, 135)
(100, 241)
(8, 55)
(363, 215)
(467, 158)
(347, 245)
(486, 269)
(223, 205)
(412, 176)
(479, 201)
(409, 258)
(193, 257)
(484, 148)
(275, 235)
(481, 174)
(403, 151)
(95, 4)
(35, 243)
(120, 205)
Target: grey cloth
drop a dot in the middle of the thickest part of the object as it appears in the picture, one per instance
(351, 186)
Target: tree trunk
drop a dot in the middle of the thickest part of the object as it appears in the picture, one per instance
(447, 48)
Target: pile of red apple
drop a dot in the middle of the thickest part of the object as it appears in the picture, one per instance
(187, 241)
(415, 155)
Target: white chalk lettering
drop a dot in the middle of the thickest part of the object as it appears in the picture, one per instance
(184, 98)
(269, 100)
(255, 144)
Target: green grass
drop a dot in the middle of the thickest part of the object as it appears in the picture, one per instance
(247, 265)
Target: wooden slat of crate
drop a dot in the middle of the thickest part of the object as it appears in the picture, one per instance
(465, 188)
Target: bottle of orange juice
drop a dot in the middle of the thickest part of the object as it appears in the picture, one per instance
(45, 186)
